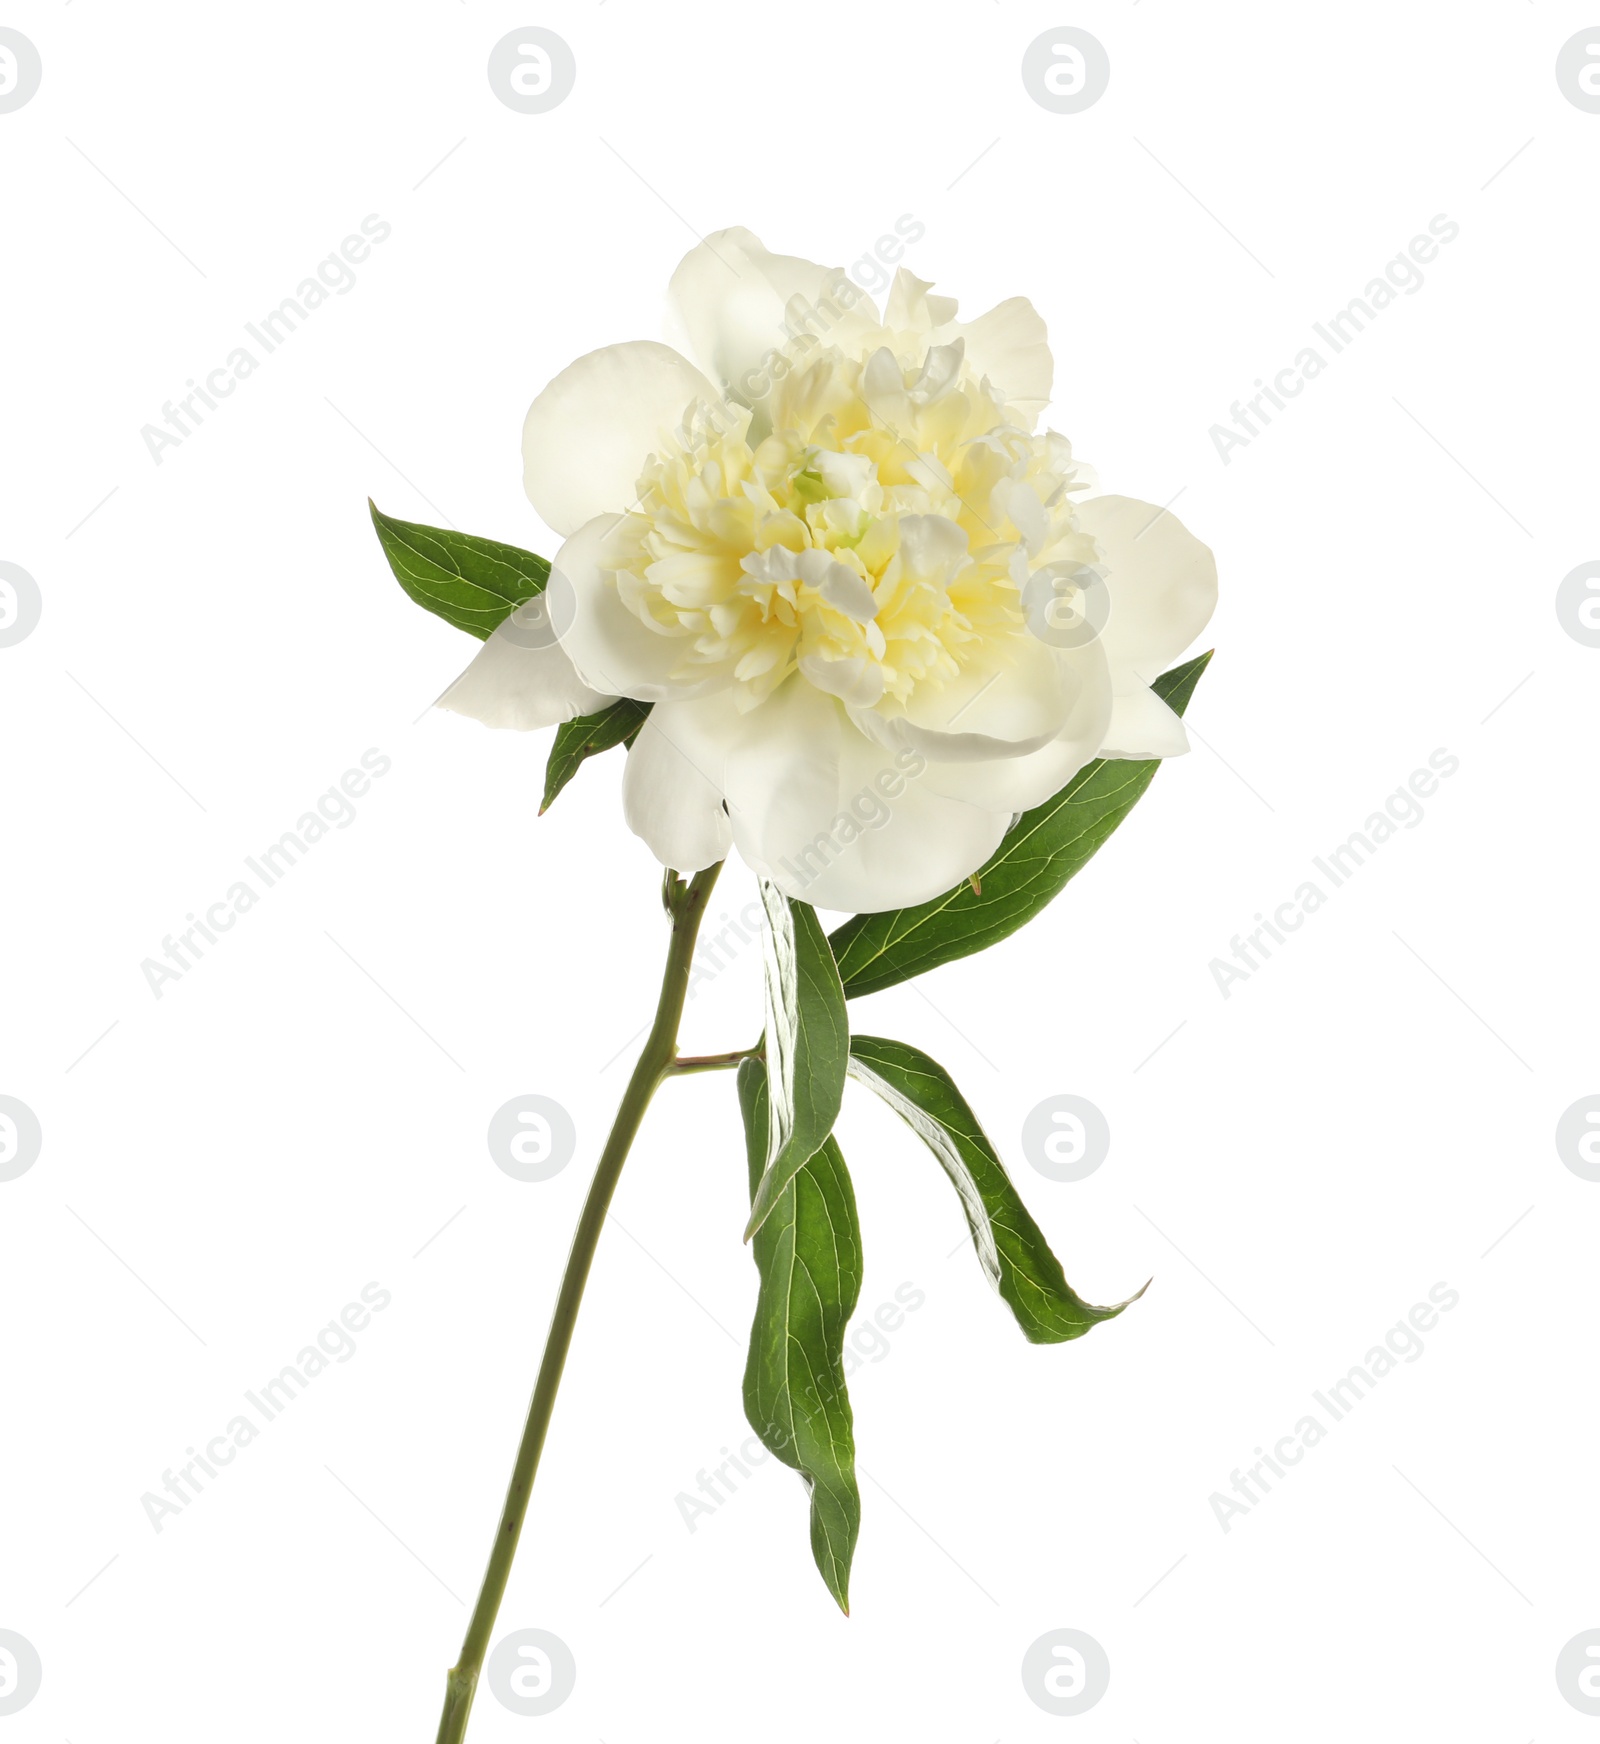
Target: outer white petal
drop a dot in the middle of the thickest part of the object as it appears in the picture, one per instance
(1009, 345)
(586, 437)
(1015, 702)
(1142, 725)
(612, 649)
(839, 821)
(1163, 585)
(668, 800)
(510, 684)
(731, 298)
(1016, 784)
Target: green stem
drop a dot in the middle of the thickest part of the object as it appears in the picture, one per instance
(686, 903)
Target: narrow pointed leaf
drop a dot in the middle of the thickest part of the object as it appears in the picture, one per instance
(470, 582)
(585, 737)
(808, 1252)
(1012, 1250)
(807, 1044)
(1032, 865)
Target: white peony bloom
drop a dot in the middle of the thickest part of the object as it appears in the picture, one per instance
(873, 606)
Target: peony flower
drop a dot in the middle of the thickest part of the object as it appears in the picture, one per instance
(874, 607)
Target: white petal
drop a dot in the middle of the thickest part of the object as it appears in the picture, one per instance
(1142, 725)
(854, 679)
(941, 367)
(1021, 697)
(612, 648)
(840, 586)
(1010, 346)
(844, 475)
(883, 389)
(839, 821)
(931, 546)
(521, 678)
(669, 801)
(586, 437)
(1019, 783)
(911, 309)
(735, 303)
(1163, 584)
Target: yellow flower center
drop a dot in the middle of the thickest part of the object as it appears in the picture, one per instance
(870, 525)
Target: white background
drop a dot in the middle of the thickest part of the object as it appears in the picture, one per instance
(304, 1111)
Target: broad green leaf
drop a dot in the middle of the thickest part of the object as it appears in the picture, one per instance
(807, 1044)
(808, 1252)
(1013, 1252)
(469, 582)
(1039, 854)
(587, 735)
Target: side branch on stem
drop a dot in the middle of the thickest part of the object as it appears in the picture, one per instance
(713, 1062)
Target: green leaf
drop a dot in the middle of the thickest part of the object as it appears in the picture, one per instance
(1012, 1250)
(807, 1044)
(469, 582)
(1039, 854)
(585, 737)
(808, 1252)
